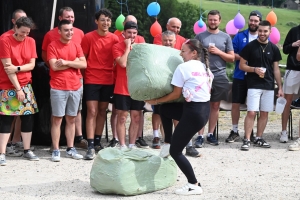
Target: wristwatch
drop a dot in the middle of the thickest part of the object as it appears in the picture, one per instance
(18, 68)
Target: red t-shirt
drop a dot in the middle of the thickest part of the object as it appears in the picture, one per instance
(121, 85)
(53, 35)
(179, 41)
(100, 60)
(20, 54)
(138, 38)
(7, 33)
(64, 79)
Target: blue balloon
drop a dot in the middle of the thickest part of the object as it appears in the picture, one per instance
(153, 9)
(200, 23)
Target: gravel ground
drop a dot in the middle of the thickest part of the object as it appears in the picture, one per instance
(224, 171)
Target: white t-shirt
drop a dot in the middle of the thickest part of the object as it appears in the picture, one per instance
(192, 77)
(252, 37)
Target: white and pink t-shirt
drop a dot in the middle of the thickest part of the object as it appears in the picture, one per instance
(192, 77)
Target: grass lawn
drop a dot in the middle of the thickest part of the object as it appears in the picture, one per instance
(229, 9)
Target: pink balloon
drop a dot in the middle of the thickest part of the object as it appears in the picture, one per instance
(198, 29)
(275, 35)
(230, 28)
(239, 21)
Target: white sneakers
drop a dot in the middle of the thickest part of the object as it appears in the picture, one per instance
(295, 146)
(284, 137)
(189, 189)
(165, 151)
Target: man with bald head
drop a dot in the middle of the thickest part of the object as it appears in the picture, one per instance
(16, 143)
(138, 38)
(174, 25)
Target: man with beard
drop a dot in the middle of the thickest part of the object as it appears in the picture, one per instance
(260, 60)
(220, 49)
(123, 101)
(239, 86)
(291, 82)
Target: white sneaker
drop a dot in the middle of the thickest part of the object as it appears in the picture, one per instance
(133, 147)
(295, 146)
(165, 151)
(2, 159)
(189, 189)
(284, 137)
(72, 153)
(123, 147)
(55, 156)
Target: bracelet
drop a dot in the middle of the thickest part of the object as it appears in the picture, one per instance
(19, 90)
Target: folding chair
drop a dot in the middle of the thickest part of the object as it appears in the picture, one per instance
(109, 109)
(290, 122)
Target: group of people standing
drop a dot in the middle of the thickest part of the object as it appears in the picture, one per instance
(93, 65)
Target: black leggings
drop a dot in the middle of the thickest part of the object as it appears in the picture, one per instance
(192, 117)
(6, 123)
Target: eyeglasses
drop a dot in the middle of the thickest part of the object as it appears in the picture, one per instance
(189, 42)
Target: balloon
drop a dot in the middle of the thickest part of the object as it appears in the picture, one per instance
(153, 9)
(119, 22)
(230, 28)
(275, 35)
(198, 29)
(117, 32)
(239, 21)
(201, 23)
(272, 18)
(155, 29)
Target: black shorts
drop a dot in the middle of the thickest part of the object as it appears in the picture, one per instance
(156, 109)
(97, 92)
(220, 88)
(239, 91)
(123, 102)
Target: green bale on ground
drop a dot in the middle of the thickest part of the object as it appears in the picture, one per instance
(150, 69)
(131, 172)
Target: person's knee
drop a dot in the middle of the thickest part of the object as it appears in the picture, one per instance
(263, 114)
(26, 123)
(251, 114)
(215, 106)
(174, 152)
(122, 116)
(70, 119)
(56, 121)
(135, 117)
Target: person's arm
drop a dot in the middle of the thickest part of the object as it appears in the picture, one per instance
(44, 57)
(277, 76)
(227, 56)
(55, 67)
(12, 69)
(246, 68)
(235, 45)
(289, 43)
(78, 63)
(14, 80)
(298, 54)
(122, 61)
(175, 94)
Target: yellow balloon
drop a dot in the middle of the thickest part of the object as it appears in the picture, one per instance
(272, 18)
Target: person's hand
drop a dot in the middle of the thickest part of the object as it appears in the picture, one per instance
(152, 101)
(127, 42)
(280, 93)
(60, 63)
(259, 71)
(10, 68)
(296, 44)
(20, 95)
(214, 50)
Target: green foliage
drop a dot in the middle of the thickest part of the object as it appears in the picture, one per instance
(292, 24)
(185, 11)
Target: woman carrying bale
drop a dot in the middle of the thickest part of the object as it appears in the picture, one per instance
(193, 79)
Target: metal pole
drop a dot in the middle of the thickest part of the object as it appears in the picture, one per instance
(53, 14)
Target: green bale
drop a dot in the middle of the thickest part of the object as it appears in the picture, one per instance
(131, 172)
(150, 69)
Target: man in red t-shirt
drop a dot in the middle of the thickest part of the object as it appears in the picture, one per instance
(123, 101)
(15, 144)
(174, 25)
(98, 78)
(140, 141)
(65, 57)
(67, 13)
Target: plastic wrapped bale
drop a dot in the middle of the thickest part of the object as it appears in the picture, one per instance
(150, 69)
(131, 172)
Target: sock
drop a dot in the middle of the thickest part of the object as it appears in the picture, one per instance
(69, 148)
(8, 144)
(78, 138)
(256, 138)
(155, 133)
(117, 139)
(90, 143)
(26, 150)
(97, 140)
(208, 134)
(131, 145)
(200, 136)
(283, 132)
(189, 144)
(235, 127)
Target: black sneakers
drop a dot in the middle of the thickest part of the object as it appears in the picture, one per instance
(261, 143)
(233, 136)
(113, 143)
(191, 151)
(140, 142)
(246, 145)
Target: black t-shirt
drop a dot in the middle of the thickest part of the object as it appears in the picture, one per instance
(261, 55)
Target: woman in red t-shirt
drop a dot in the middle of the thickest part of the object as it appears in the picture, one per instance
(17, 55)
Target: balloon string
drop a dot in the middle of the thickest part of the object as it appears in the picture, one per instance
(121, 4)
